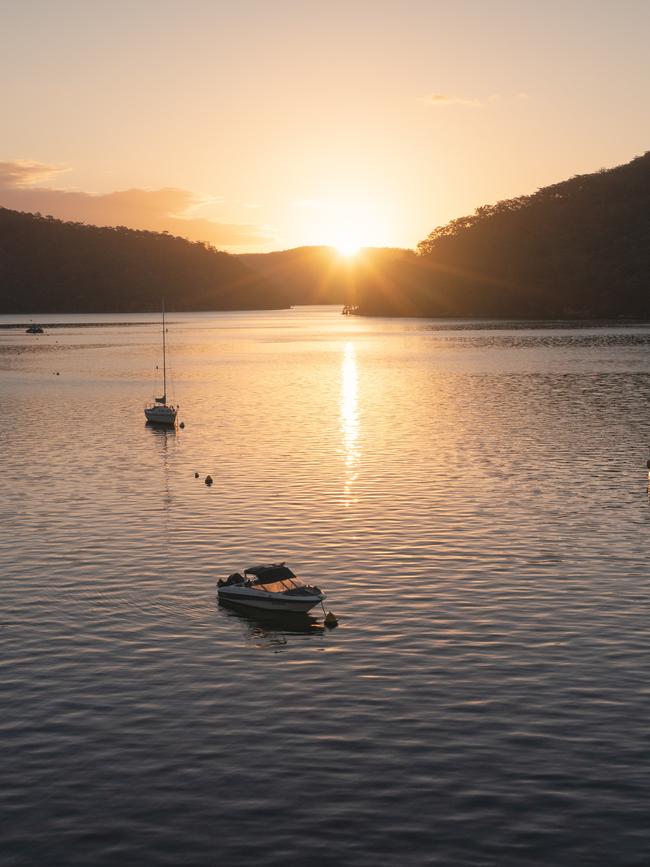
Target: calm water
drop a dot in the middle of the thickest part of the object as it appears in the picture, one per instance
(473, 500)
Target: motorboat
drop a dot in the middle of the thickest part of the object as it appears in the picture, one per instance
(34, 329)
(273, 587)
(160, 412)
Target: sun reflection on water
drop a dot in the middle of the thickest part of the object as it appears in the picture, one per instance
(349, 421)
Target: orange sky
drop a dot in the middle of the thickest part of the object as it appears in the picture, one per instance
(260, 125)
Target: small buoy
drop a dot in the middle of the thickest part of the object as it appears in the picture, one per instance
(208, 480)
(182, 424)
(57, 373)
(196, 475)
(330, 620)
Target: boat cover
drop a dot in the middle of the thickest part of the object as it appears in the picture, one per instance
(268, 574)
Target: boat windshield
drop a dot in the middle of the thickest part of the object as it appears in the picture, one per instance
(293, 583)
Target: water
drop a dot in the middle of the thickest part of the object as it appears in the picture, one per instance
(473, 500)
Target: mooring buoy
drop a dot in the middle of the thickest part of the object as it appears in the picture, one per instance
(208, 480)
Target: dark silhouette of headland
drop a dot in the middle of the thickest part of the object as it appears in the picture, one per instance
(51, 266)
(579, 249)
(322, 275)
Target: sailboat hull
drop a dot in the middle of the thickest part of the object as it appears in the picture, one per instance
(161, 415)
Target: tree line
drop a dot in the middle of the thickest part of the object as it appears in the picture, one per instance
(575, 249)
(48, 265)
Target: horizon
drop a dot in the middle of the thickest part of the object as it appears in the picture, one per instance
(260, 130)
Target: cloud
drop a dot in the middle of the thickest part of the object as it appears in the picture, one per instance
(168, 209)
(22, 172)
(441, 99)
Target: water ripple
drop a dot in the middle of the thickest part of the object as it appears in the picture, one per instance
(472, 498)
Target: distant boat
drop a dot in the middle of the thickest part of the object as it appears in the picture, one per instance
(34, 329)
(160, 412)
(350, 309)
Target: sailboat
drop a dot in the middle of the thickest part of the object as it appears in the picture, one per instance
(161, 412)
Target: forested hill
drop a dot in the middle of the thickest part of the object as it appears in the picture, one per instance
(580, 248)
(576, 249)
(322, 275)
(50, 266)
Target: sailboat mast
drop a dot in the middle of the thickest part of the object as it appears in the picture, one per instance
(164, 354)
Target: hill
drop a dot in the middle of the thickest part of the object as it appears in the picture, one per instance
(322, 275)
(576, 249)
(50, 266)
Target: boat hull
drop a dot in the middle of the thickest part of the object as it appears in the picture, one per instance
(259, 599)
(157, 416)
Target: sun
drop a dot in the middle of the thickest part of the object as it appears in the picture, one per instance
(346, 225)
(348, 247)
(350, 236)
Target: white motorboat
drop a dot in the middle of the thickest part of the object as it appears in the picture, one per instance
(273, 587)
(161, 412)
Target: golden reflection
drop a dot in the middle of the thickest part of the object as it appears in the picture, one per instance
(164, 435)
(349, 421)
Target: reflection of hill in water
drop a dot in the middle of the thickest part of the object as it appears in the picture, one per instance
(574, 340)
(271, 630)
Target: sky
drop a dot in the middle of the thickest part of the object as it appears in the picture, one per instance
(259, 126)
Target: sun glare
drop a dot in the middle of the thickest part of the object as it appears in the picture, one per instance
(348, 248)
(348, 226)
(354, 231)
